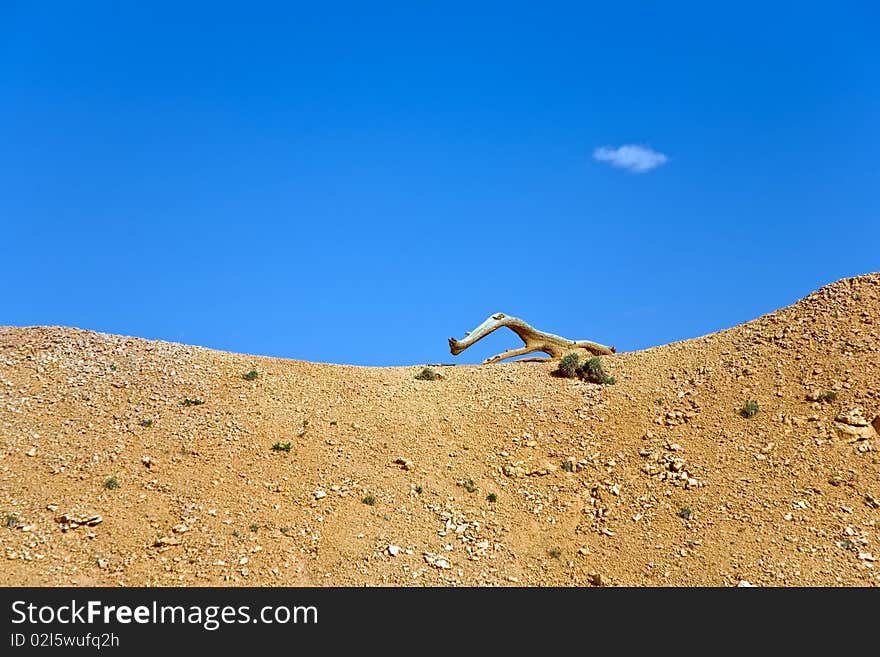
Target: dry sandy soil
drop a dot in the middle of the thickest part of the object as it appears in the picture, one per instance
(657, 480)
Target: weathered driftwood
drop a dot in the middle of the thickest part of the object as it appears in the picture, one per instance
(553, 345)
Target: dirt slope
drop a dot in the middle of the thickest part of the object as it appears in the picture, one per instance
(669, 484)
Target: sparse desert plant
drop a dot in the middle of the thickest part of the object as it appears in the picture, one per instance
(251, 376)
(555, 552)
(427, 374)
(827, 396)
(369, 500)
(111, 483)
(470, 486)
(567, 465)
(492, 497)
(591, 370)
(11, 521)
(254, 527)
(749, 408)
(146, 423)
(419, 489)
(685, 512)
(113, 367)
(568, 366)
(198, 401)
(281, 447)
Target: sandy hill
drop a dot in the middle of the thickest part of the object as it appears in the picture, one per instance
(657, 480)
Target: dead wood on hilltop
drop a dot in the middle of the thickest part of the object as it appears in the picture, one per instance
(554, 345)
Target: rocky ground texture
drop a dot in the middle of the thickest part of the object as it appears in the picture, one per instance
(132, 462)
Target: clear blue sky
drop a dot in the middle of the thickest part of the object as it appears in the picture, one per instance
(356, 182)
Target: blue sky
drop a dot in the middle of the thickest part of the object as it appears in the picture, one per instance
(356, 182)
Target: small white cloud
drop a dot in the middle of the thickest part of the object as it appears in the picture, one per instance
(637, 159)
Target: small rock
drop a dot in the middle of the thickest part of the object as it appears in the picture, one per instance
(147, 461)
(433, 560)
(855, 433)
(166, 541)
(866, 556)
(514, 471)
(32, 451)
(871, 501)
(853, 417)
(598, 579)
(404, 464)
(545, 470)
(744, 584)
(319, 494)
(180, 529)
(394, 550)
(242, 561)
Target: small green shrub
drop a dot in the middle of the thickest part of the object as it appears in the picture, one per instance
(254, 527)
(111, 483)
(590, 371)
(198, 401)
(427, 374)
(281, 447)
(369, 500)
(685, 512)
(470, 486)
(11, 521)
(492, 497)
(419, 489)
(568, 366)
(146, 423)
(593, 372)
(555, 553)
(251, 376)
(568, 466)
(828, 396)
(749, 408)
